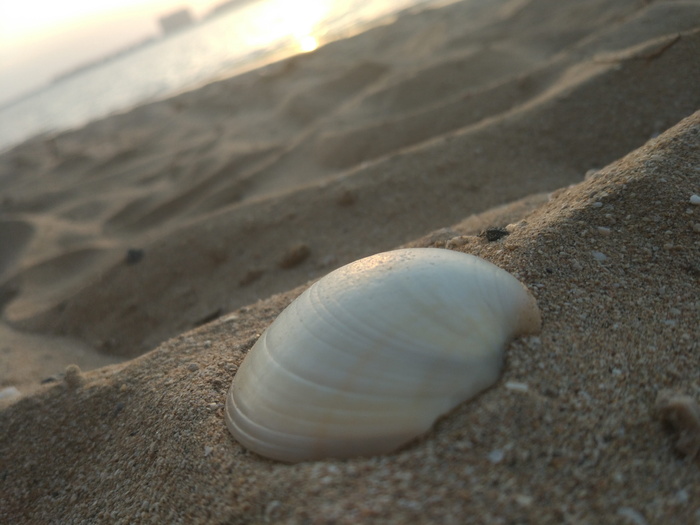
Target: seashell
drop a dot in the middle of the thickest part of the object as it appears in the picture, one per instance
(368, 357)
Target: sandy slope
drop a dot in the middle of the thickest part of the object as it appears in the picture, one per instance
(146, 441)
(140, 227)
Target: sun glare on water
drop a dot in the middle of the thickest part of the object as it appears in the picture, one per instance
(298, 21)
(307, 43)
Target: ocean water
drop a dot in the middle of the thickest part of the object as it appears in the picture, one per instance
(219, 47)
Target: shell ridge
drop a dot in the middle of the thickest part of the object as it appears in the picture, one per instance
(325, 311)
(262, 439)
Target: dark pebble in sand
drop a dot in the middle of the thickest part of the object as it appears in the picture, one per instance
(294, 256)
(133, 256)
(494, 234)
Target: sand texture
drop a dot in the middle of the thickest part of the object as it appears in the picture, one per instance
(158, 244)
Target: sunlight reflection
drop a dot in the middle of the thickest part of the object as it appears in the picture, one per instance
(307, 43)
(296, 20)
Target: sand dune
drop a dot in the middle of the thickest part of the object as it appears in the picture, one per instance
(176, 223)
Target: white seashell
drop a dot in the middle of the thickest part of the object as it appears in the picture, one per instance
(367, 358)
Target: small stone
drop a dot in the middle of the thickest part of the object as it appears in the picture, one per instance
(250, 277)
(496, 456)
(346, 198)
(632, 516)
(73, 376)
(682, 496)
(523, 500)
(294, 256)
(695, 200)
(576, 265)
(494, 234)
(682, 413)
(604, 231)
(516, 386)
(9, 392)
(599, 256)
(133, 256)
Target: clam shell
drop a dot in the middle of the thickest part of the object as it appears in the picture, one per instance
(368, 357)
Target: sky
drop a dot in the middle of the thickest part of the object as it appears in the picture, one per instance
(40, 39)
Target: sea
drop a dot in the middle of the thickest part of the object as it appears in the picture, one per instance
(231, 43)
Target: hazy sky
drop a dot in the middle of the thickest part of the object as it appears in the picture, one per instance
(42, 38)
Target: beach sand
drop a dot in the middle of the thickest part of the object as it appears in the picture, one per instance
(153, 247)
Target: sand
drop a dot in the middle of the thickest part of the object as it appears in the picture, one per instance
(158, 244)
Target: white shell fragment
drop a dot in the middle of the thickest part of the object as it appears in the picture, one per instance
(367, 358)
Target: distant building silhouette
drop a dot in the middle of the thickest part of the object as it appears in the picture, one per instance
(176, 21)
(228, 5)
